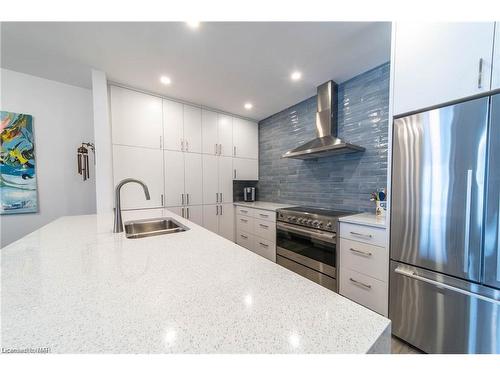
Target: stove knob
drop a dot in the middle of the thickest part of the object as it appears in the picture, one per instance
(309, 222)
(329, 225)
(315, 223)
(320, 224)
(300, 220)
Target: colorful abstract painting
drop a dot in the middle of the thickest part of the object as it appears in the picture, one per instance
(18, 192)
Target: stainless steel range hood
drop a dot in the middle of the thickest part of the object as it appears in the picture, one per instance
(326, 143)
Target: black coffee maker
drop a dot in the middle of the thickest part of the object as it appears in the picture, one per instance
(249, 194)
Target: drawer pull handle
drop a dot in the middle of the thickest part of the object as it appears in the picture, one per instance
(242, 235)
(264, 215)
(367, 286)
(263, 244)
(367, 254)
(244, 220)
(361, 234)
(244, 211)
(264, 226)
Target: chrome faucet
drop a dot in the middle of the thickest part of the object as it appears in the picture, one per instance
(118, 225)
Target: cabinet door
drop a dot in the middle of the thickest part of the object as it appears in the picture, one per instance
(495, 79)
(226, 179)
(194, 214)
(440, 62)
(144, 164)
(193, 185)
(135, 118)
(226, 221)
(210, 179)
(192, 129)
(245, 138)
(209, 132)
(211, 217)
(225, 130)
(245, 169)
(174, 178)
(173, 125)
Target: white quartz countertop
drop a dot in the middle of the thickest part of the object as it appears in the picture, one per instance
(261, 205)
(365, 218)
(75, 287)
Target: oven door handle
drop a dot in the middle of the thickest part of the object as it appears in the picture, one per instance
(313, 233)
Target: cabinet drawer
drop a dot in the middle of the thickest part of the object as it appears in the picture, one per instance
(265, 248)
(265, 229)
(244, 239)
(362, 233)
(265, 215)
(365, 290)
(367, 259)
(244, 223)
(244, 211)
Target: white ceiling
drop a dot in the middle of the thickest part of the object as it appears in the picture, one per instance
(220, 65)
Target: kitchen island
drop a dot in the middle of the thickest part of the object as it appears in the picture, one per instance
(74, 287)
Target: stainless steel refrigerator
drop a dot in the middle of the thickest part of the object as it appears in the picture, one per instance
(445, 224)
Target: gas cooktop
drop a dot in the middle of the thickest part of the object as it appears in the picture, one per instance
(312, 217)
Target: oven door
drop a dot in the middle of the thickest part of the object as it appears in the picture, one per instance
(315, 249)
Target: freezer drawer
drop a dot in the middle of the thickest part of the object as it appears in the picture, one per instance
(441, 314)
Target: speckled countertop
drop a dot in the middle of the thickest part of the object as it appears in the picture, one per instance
(261, 205)
(365, 218)
(73, 286)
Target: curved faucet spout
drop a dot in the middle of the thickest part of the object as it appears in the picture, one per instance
(118, 223)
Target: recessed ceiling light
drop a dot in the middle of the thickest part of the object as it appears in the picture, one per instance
(296, 76)
(248, 105)
(193, 24)
(165, 80)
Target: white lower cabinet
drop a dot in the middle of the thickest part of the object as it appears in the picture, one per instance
(364, 266)
(245, 169)
(256, 231)
(219, 218)
(144, 164)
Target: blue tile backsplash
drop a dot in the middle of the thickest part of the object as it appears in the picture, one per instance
(342, 182)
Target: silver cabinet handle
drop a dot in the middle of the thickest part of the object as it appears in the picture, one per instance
(221, 197)
(467, 220)
(244, 220)
(182, 199)
(480, 74)
(216, 197)
(368, 254)
(264, 226)
(182, 211)
(367, 286)
(235, 173)
(221, 209)
(416, 276)
(361, 234)
(217, 210)
(243, 236)
(244, 211)
(215, 148)
(187, 198)
(160, 142)
(182, 144)
(187, 146)
(234, 150)
(220, 149)
(263, 244)
(264, 215)
(187, 210)
(161, 198)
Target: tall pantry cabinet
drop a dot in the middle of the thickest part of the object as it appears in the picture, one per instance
(188, 157)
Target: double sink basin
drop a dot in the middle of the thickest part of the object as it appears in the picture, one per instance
(153, 227)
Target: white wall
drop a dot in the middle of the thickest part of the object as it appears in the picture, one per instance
(62, 120)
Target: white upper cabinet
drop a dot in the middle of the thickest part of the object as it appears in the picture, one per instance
(225, 131)
(173, 125)
(192, 129)
(495, 79)
(435, 63)
(209, 131)
(144, 164)
(193, 186)
(136, 118)
(245, 138)
(210, 179)
(225, 179)
(174, 178)
(245, 169)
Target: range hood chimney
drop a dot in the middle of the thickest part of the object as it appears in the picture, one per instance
(326, 142)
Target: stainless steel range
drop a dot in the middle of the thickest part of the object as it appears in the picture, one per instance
(306, 243)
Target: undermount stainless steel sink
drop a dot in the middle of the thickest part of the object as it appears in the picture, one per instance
(153, 227)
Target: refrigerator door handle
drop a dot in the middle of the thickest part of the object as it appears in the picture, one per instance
(467, 220)
(415, 276)
(498, 240)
